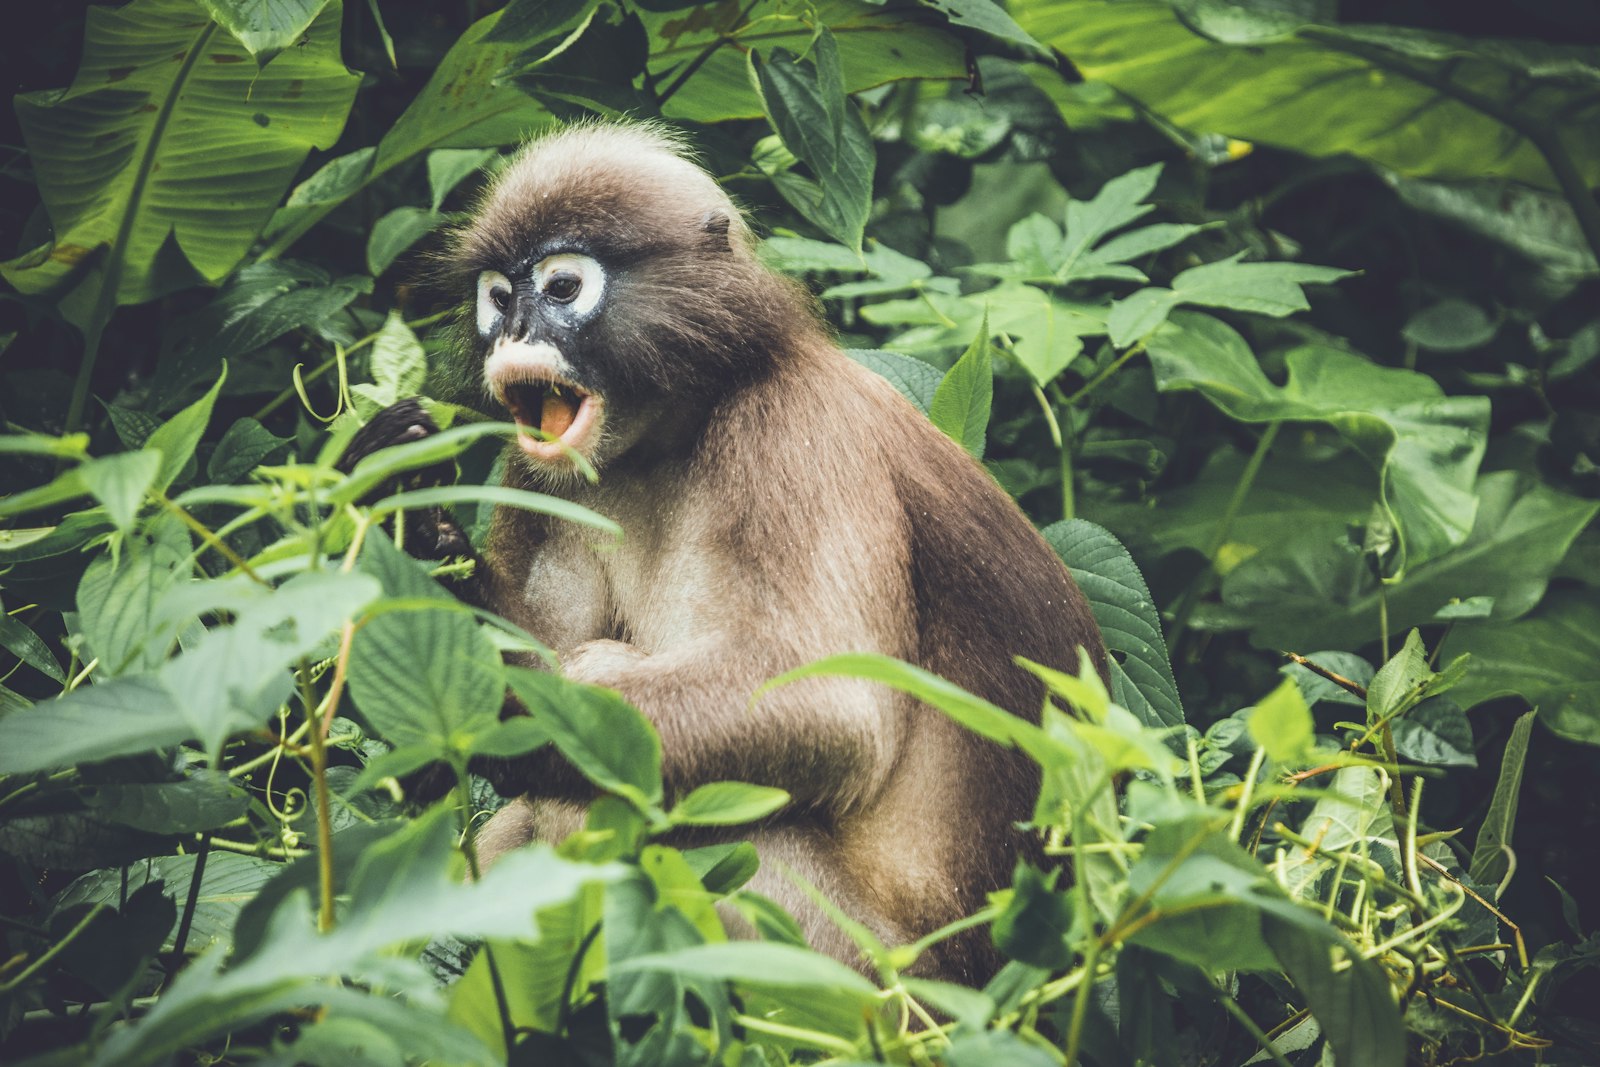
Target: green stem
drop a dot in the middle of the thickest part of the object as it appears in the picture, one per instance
(1063, 448)
(54, 950)
(319, 779)
(1105, 372)
(469, 848)
(205, 534)
(1202, 583)
(333, 361)
(1233, 1009)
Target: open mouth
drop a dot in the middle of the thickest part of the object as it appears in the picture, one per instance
(563, 415)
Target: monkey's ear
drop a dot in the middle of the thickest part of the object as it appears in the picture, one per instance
(716, 229)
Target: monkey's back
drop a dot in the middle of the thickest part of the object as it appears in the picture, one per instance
(984, 588)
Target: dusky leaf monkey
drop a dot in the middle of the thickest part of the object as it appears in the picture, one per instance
(781, 503)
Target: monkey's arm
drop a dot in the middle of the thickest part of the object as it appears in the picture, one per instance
(831, 742)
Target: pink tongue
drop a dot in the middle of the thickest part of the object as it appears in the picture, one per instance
(558, 414)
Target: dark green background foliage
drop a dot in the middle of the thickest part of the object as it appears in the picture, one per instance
(1277, 316)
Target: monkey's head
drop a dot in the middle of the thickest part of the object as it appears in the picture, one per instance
(615, 292)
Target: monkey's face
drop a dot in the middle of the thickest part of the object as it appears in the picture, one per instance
(616, 296)
(531, 319)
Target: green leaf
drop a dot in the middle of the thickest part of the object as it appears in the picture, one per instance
(962, 401)
(203, 801)
(398, 361)
(166, 102)
(913, 378)
(1037, 922)
(975, 713)
(1142, 679)
(1348, 994)
(1550, 658)
(243, 447)
(727, 804)
(95, 722)
(1401, 97)
(1435, 732)
(422, 677)
(971, 1008)
(26, 645)
(120, 605)
(1398, 683)
(876, 44)
(1281, 723)
(989, 18)
(807, 105)
(1311, 592)
(265, 29)
(178, 437)
(724, 868)
(1262, 288)
(756, 965)
(1425, 445)
(120, 482)
(602, 735)
(1451, 325)
(449, 167)
(229, 881)
(500, 496)
(1489, 861)
(397, 231)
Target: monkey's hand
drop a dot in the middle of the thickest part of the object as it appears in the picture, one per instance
(429, 533)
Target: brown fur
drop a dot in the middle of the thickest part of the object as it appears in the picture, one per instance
(781, 504)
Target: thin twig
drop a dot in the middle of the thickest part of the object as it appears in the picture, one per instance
(1337, 679)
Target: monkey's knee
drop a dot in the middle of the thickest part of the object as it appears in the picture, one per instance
(509, 828)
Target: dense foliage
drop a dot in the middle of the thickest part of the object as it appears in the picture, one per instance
(1283, 328)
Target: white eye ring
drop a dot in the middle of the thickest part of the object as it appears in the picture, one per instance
(560, 271)
(494, 299)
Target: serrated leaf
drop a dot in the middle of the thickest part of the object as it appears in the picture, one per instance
(203, 801)
(119, 717)
(912, 378)
(1435, 732)
(1126, 614)
(1262, 288)
(602, 735)
(165, 101)
(246, 444)
(427, 677)
(806, 102)
(121, 481)
(26, 645)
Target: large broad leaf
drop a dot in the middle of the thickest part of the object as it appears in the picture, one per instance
(805, 99)
(877, 44)
(1400, 97)
(1141, 680)
(1311, 592)
(1550, 658)
(464, 105)
(265, 28)
(405, 889)
(1425, 445)
(429, 677)
(166, 156)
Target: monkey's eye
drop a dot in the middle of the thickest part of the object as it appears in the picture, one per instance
(575, 280)
(563, 287)
(494, 299)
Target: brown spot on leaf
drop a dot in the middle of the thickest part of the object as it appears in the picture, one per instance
(71, 254)
(149, 107)
(116, 74)
(226, 57)
(296, 89)
(179, 57)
